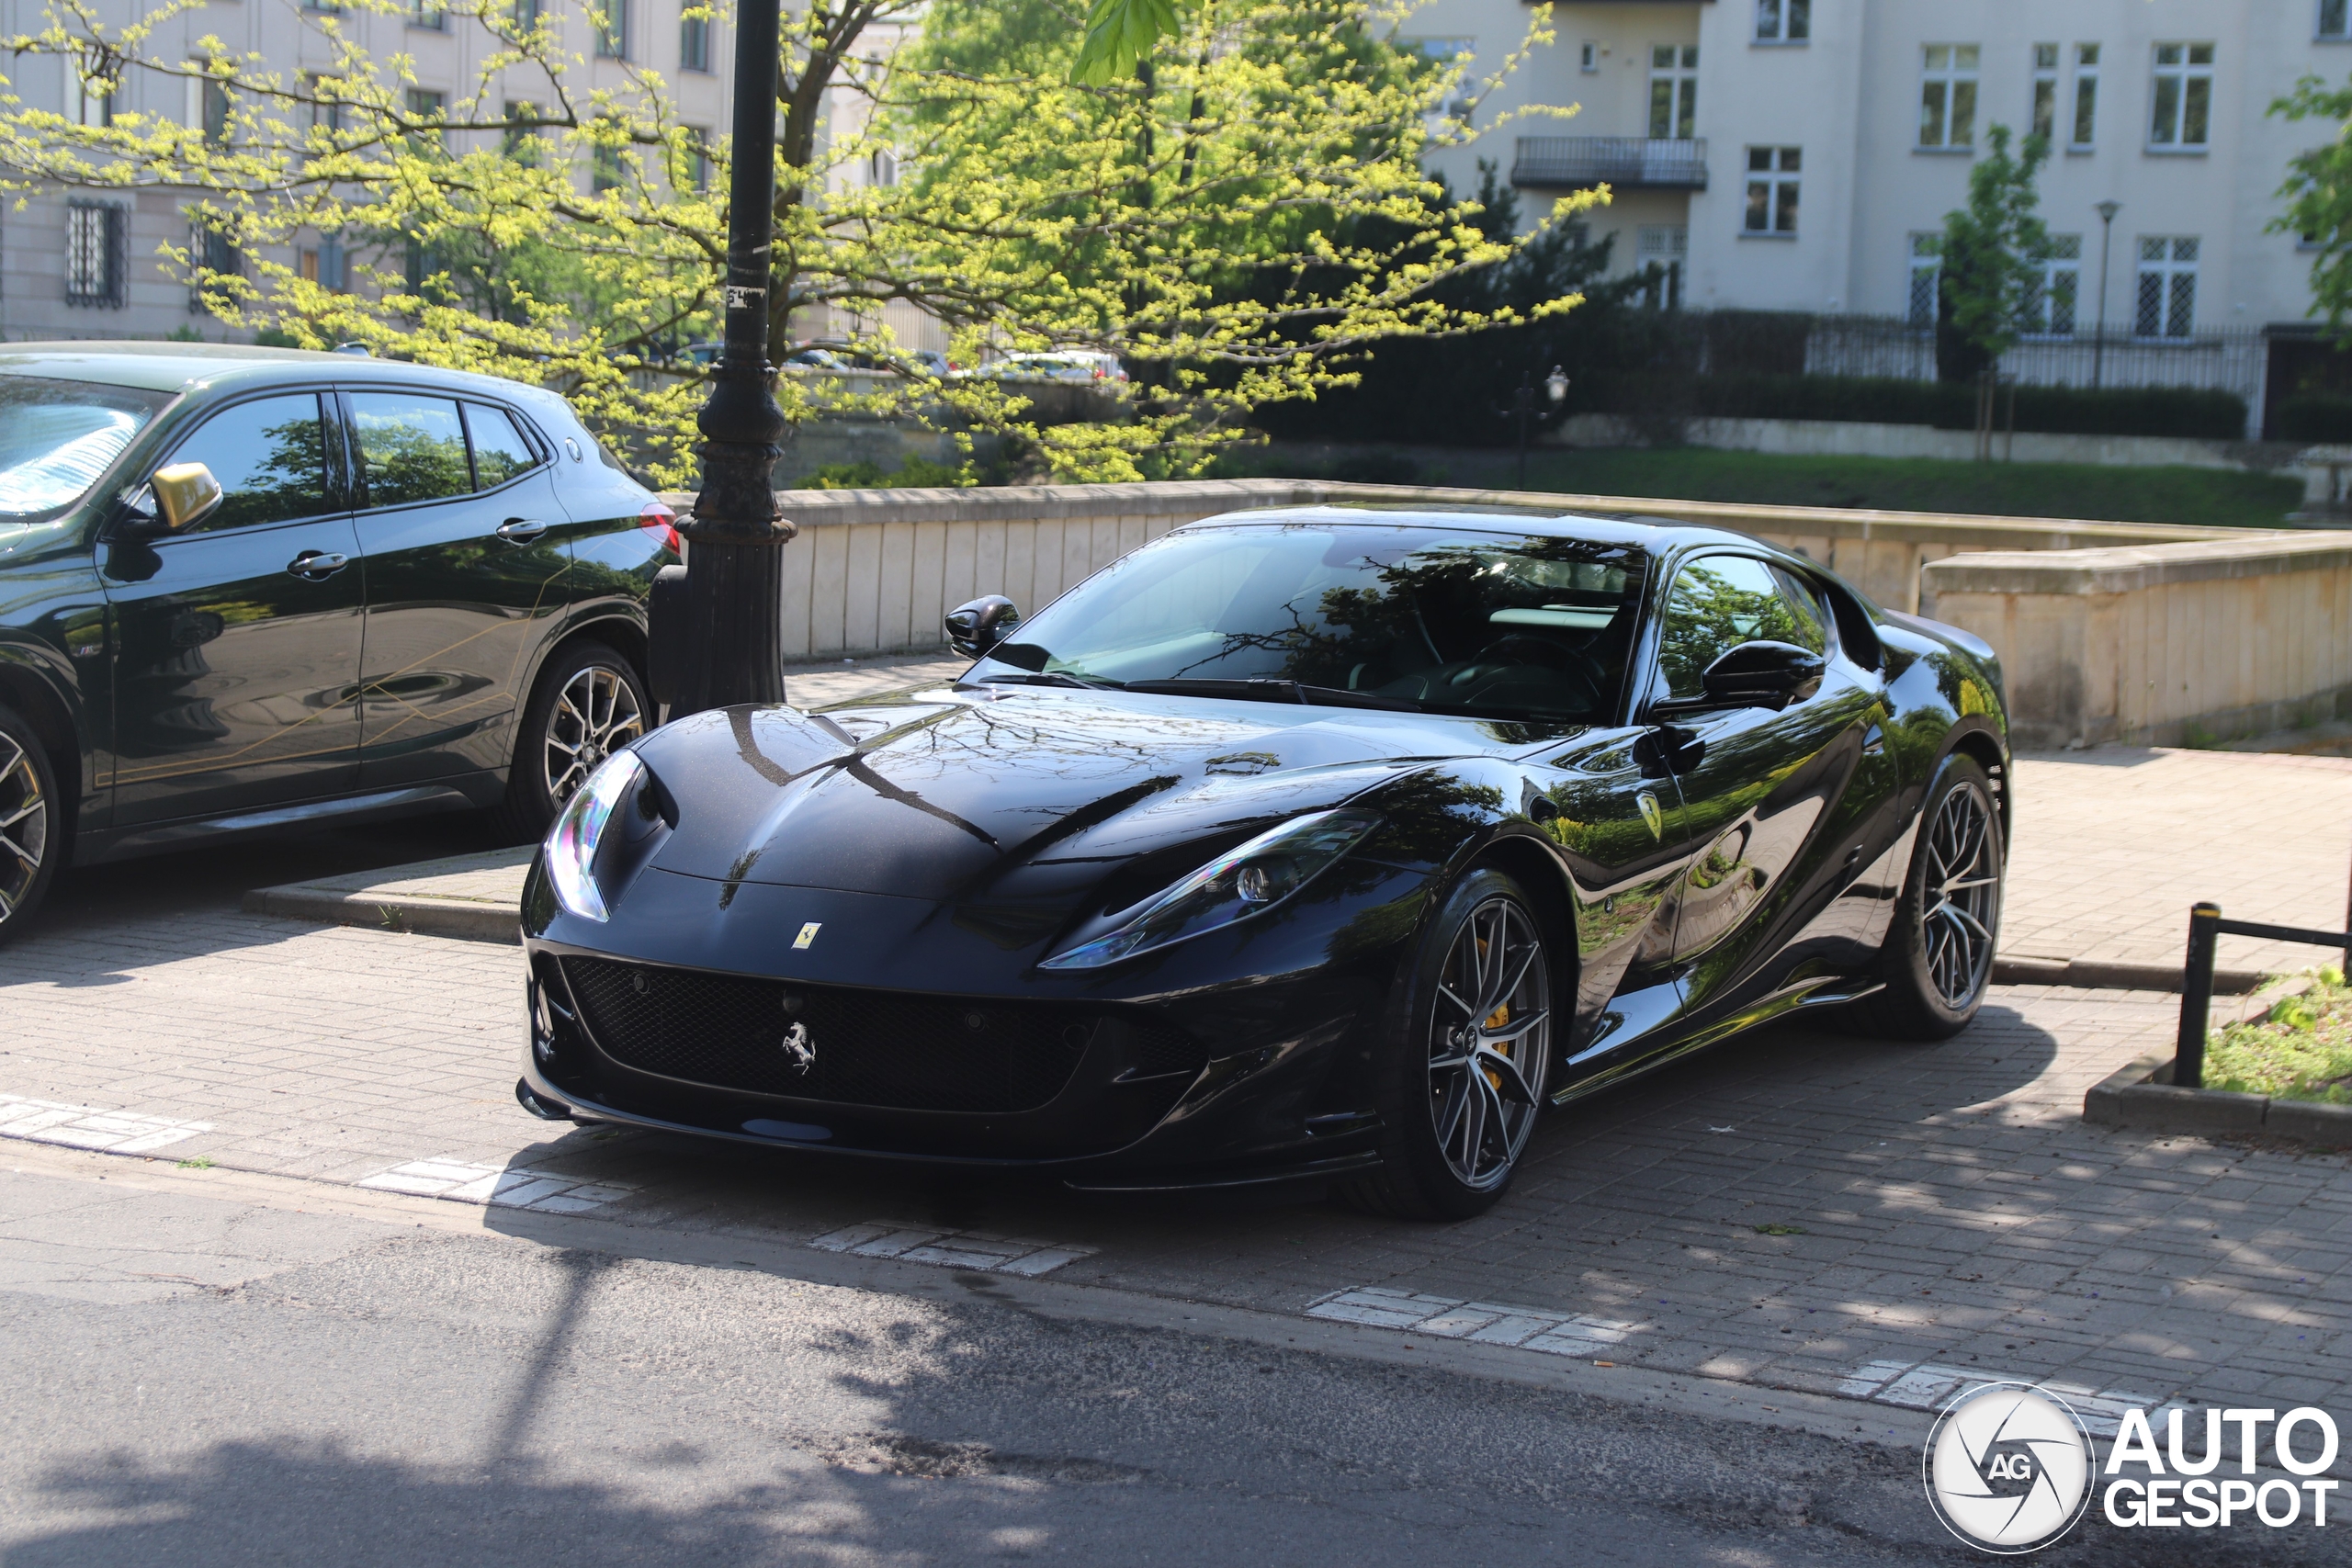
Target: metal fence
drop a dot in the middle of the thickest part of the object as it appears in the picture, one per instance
(2231, 360)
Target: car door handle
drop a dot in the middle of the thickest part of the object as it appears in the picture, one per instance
(520, 530)
(317, 566)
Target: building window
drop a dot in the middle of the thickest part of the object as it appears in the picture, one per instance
(433, 13)
(211, 117)
(212, 255)
(323, 264)
(2166, 304)
(326, 105)
(1948, 95)
(97, 252)
(1783, 21)
(2045, 91)
(882, 169)
(1588, 56)
(2085, 127)
(89, 100)
(523, 140)
(2050, 308)
(697, 158)
(1927, 264)
(611, 18)
(1674, 91)
(428, 107)
(1666, 247)
(2184, 96)
(1773, 190)
(694, 40)
(526, 15)
(2334, 17)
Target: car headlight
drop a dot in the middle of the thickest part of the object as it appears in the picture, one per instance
(572, 841)
(1242, 882)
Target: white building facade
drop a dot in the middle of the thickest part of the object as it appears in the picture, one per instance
(1800, 154)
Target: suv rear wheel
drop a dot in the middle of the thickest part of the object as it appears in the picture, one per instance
(590, 703)
(32, 841)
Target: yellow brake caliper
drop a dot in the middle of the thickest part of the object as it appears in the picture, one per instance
(1500, 1017)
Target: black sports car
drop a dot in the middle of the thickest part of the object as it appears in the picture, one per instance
(1314, 843)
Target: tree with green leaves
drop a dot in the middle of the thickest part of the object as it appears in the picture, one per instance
(2318, 192)
(1994, 250)
(1238, 221)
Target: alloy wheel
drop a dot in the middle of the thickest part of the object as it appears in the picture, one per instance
(1963, 892)
(1489, 1042)
(24, 824)
(595, 715)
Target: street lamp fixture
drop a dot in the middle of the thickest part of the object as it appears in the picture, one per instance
(1523, 409)
(2106, 211)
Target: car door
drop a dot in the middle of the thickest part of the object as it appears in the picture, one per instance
(238, 639)
(1765, 791)
(466, 563)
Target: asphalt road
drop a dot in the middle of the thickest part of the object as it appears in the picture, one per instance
(206, 1367)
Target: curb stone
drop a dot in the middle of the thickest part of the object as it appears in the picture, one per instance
(2140, 1095)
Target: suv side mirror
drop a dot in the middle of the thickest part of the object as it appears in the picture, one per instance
(1763, 674)
(186, 493)
(975, 627)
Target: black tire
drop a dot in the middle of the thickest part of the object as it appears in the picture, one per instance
(589, 703)
(32, 823)
(1933, 987)
(1429, 1089)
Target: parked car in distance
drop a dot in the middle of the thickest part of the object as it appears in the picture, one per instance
(249, 589)
(1060, 365)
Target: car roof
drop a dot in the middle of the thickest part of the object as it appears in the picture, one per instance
(1656, 538)
(183, 366)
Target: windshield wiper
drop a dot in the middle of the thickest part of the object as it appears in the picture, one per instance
(1056, 678)
(1271, 690)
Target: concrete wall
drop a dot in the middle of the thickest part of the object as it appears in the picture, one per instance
(2159, 644)
(875, 570)
(1822, 437)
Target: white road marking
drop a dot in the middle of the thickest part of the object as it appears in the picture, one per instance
(88, 1127)
(1484, 1323)
(1924, 1385)
(539, 1190)
(951, 1249)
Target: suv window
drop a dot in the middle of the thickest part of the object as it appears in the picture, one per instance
(270, 457)
(1718, 603)
(412, 448)
(500, 451)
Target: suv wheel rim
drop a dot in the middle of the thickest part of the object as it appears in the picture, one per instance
(1963, 892)
(595, 715)
(1489, 1042)
(24, 824)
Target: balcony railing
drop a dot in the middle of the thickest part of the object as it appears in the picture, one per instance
(1628, 163)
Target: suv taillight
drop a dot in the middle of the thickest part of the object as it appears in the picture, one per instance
(662, 523)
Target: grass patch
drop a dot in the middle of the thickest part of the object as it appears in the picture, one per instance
(1779, 1230)
(2301, 1050)
(2200, 497)
(201, 1162)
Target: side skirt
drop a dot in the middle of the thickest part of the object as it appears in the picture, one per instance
(1816, 992)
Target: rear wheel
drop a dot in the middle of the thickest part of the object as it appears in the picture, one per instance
(590, 703)
(31, 840)
(1937, 961)
(1464, 1078)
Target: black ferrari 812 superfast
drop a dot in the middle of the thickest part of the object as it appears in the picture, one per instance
(1319, 844)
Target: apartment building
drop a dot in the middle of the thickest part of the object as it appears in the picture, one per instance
(1800, 154)
(87, 265)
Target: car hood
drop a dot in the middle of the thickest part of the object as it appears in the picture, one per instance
(1026, 793)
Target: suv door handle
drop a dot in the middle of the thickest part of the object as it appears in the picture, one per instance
(520, 530)
(317, 566)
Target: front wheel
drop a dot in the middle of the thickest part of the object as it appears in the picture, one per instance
(1937, 961)
(1463, 1075)
(31, 843)
(589, 704)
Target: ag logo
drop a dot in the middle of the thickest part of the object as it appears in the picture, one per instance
(2008, 1468)
(800, 1048)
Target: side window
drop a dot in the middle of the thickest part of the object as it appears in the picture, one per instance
(270, 457)
(1717, 604)
(1808, 617)
(412, 448)
(500, 450)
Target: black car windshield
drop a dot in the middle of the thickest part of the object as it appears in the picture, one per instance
(57, 438)
(1499, 625)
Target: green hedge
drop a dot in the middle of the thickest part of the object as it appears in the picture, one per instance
(2318, 417)
(2056, 411)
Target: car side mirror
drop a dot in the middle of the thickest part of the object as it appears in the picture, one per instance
(975, 627)
(1763, 674)
(186, 493)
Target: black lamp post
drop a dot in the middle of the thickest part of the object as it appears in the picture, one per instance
(1522, 407)
(2106, 211)
(722, 640)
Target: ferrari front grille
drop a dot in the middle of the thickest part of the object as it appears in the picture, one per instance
(850, 1047)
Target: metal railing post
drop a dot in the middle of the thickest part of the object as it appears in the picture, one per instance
(2195, 997)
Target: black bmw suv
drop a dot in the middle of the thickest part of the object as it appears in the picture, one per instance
(245, 589)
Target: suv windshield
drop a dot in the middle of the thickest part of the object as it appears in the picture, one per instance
(1502, 625)
(57, 438)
